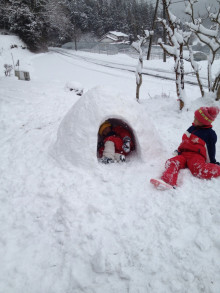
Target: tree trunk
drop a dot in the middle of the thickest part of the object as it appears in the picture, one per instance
(181, 68)
(152, 28)
(209, 75)
(216, 82)
(75, 43)
(218, 94)
(138, 86)
(179, 83)
(196, 71)
(200, 84)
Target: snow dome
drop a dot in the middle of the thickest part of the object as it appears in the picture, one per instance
(77, 136)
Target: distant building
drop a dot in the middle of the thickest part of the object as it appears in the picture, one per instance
(199, 56)
(69, 45)
(114, 37)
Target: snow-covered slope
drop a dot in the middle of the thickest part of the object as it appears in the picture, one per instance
(13, 49)
(96, 228)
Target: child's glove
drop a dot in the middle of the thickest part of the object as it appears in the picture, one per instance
(122, 158)
(119, 157)
(127, 144)
(106, 160)
(175, 153)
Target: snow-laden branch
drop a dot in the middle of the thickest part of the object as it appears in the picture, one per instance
(209, 36)
(138, 47)
(177, 39)
(199, 28)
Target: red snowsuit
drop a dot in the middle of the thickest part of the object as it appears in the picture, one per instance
(196, 152)
(117, 135)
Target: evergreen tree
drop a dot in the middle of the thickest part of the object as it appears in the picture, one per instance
(57, 22)
(36, 21)
(24, 22)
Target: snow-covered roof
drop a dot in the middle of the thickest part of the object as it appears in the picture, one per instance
(118, 34)
(113, 35)
(110, 37)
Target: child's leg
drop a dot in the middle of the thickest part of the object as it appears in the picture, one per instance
(173, 166)
(109, 150)
(201, 169)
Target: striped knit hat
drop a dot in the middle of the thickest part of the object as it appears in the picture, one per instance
(206, 115)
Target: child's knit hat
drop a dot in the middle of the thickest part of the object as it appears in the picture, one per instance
(103, 126)
(206, 115)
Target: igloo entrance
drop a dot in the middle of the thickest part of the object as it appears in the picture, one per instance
(119, 129)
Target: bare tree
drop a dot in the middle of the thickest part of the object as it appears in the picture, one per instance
(138, 47)
(76, 34)
(195, 67)
(176, 40)
(210, 37)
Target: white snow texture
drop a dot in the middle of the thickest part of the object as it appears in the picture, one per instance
(73, 225)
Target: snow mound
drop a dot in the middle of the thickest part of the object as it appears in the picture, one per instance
(11, 41)
(75, 86)
(78, 132)
(13, 49)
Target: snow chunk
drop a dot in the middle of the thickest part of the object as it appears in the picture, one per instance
(98, 262)
(75, 86)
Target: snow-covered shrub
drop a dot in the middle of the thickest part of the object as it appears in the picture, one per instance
(26, 24)
(8, 69)
(75, 86)
(14, 46)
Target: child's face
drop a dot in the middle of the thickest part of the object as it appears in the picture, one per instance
(197, 123)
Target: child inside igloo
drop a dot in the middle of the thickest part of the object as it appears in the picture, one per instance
(115, 141)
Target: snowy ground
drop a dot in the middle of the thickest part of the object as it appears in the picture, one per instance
(89, 227)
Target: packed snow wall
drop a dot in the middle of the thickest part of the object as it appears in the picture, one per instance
(78, 132)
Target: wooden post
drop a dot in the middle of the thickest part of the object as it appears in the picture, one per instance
(218, 94)
(152, 28)
(164, 33)
(13, 62)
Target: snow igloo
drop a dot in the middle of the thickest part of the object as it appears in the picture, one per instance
(78, 137)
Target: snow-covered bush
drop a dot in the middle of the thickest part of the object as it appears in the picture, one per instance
(75, 86)
(26, 24)
(14, 46)
(8, 69)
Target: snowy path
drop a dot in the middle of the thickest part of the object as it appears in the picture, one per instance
(154, 72)
(73, 230)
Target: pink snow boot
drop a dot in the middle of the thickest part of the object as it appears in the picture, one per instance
(161, 185)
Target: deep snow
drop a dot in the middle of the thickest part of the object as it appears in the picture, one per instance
(96, 228)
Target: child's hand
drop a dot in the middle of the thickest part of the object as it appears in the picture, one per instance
(127, 144)
(175, 153)
(106, 160)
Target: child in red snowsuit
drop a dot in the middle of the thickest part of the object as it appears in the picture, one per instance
(116, 143)
(196, 152)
